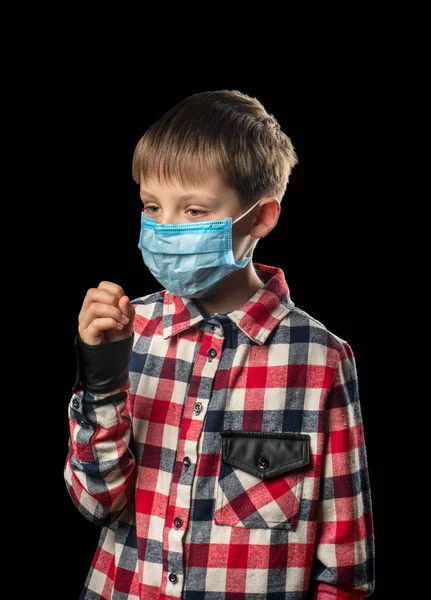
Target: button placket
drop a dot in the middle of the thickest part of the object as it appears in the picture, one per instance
(178, 524)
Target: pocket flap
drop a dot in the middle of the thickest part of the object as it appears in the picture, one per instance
(265, 454)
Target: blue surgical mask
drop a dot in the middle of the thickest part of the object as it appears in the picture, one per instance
(191, 259)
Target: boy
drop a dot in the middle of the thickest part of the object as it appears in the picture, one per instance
(216, 434)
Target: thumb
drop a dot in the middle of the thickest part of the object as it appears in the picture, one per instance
(127, 309)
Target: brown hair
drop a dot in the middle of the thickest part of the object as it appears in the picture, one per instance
(223, 132)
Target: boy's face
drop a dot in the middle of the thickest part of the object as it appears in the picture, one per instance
(173, 203)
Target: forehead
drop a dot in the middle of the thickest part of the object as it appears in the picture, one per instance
(212, 188)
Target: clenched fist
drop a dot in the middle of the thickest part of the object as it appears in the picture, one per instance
(106, 315)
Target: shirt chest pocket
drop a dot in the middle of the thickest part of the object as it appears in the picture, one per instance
(261, 479)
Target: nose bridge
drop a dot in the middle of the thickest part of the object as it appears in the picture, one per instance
(170, 218)
(169, 221)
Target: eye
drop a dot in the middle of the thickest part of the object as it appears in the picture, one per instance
(195, 210)
(149, 209)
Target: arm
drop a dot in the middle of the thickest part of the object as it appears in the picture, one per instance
(344, 561)
(100, 467)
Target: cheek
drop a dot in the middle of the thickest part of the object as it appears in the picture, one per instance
(241, 229)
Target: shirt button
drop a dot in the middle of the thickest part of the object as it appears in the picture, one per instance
(178, 522)
(263, 462)
(173, 577)
(198, 407)
(212, 352)
(83, 424)
(187, 461)
(75, 403)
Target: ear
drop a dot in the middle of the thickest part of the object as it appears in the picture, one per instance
(267, 217)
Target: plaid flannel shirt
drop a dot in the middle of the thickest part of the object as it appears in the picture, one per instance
(229, 463)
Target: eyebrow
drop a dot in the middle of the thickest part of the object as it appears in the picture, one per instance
(185, 197)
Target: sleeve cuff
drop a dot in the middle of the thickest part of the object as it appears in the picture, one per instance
(102, 368)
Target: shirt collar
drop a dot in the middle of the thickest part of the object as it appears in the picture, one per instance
(257, 318)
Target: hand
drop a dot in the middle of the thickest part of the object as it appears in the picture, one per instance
(106, 315)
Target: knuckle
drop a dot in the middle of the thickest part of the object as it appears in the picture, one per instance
(93, 325)
(118, 288)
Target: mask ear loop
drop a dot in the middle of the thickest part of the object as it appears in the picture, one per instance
(254, 242)
(246, 212)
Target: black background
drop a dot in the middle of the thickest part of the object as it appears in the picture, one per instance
(323, 240)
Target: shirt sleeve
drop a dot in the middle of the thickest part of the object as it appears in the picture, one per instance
(100, 465)
(344, 566)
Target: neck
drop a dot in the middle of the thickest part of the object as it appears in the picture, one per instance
(233, 292)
